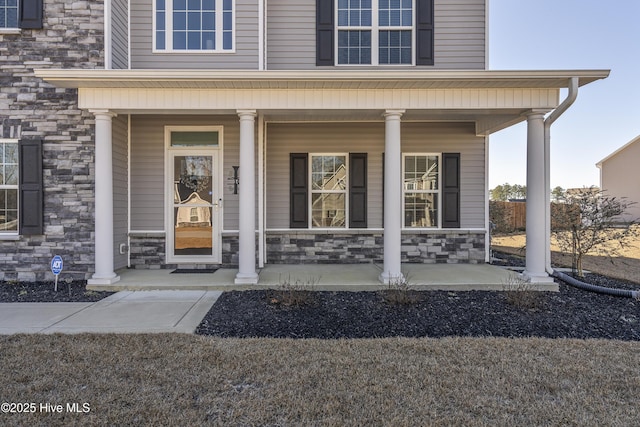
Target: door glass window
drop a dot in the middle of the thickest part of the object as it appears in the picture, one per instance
(193, 205)
(194, 139)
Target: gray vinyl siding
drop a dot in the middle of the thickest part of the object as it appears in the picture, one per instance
(460, 35)
(246, 33)
(119, 34)
(291, 35)
(120, 188)
(283, 139)
(455, 138)
(148, 167)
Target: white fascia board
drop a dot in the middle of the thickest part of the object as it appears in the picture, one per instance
(76, 78)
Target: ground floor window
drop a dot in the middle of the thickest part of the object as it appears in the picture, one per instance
(8, 187)
(328, 190)
(8, 13)
(421, 190)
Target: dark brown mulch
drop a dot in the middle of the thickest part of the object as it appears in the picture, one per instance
(570, 313)
(45, 292)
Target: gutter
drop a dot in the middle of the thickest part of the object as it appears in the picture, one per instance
(555, 114)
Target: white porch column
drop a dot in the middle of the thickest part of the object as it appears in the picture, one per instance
(536, 207)
(392, 197)
(104, 273)
(247, 240)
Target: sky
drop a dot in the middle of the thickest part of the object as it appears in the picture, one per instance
(569, 35)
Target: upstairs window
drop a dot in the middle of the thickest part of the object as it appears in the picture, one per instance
(375, 32)
(194, 25)
(8, 13)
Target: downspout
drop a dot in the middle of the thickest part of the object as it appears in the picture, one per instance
(571, 97)
(555, 114)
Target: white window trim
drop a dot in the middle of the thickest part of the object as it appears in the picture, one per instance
(10, 234)
(312, 191)
(168, 192)
(438, 192)
(375, 36)
(12, 30)
(169, 40)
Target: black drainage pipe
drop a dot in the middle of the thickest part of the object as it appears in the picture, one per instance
(595, 288)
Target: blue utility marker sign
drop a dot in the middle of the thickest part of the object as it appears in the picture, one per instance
(56, 265)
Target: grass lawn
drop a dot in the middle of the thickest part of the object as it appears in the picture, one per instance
(172, 379)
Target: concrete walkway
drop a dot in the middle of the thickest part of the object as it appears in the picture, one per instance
(122, 312)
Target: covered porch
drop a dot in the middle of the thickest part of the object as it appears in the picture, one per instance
(327, 277)
(485, 101)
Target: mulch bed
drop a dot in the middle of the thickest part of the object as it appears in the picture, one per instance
(44, 292)
(570, 313)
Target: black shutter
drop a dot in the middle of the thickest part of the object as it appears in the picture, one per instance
(31, 14)
(324, 32)
(298, 200)
(424, 32)
(451, 190)
(30, 188)
(358, 190)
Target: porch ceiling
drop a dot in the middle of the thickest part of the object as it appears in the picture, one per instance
(493, 100)
(314, 79)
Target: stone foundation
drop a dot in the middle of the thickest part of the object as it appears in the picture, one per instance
(427, 247)
(443, 248)
(148, 251)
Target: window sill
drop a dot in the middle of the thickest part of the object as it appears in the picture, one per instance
(192, 52)
(10, 31)
(9, 237)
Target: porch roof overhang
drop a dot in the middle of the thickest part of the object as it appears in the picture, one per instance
(492, 99)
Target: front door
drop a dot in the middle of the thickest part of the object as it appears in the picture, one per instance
(193, 215)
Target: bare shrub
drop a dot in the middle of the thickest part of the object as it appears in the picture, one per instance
(400, 292)
(591, 223)
(519, 293)
(293, 293)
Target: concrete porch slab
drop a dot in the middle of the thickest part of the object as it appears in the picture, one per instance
(335, 277)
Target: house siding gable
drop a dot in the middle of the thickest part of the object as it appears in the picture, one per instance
(620, 177)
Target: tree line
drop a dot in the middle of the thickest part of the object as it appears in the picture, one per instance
(506, 192)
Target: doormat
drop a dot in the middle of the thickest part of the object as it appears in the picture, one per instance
(194, 270)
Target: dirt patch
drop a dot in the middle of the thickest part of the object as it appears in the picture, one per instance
(626, 266)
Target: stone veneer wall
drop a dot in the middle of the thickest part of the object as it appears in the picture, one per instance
(72, 37)
(305, 247)
(148, 252)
